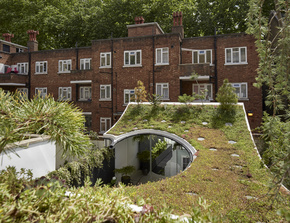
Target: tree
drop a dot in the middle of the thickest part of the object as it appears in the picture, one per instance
(227, 97)
(272, 42)
(63, 122)
(140, 92)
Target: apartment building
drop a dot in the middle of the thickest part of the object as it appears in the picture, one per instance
(100, 79)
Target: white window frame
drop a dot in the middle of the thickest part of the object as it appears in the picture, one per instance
(41, 91)
(239, 86)
(22, 68)
(85, 93)
(130, 93)
(134, 54)
(201, 52)
(23, 92)
(163, 86)
(162, 56)
(105, 89)
(64, 93)
(64, 66)
(235, 51)
(84, 62)
(107, 121)
(202, 87)
(41, 67)
(104, 56)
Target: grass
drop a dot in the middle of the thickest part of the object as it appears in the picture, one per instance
(235, 187)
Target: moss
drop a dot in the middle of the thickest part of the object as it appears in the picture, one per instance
(223, 180)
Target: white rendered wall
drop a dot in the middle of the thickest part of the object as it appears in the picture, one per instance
(126, 155)
(38, 156)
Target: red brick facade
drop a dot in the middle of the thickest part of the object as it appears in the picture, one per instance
(174, 73)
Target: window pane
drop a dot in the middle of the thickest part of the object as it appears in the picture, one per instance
(159, 56)
(194, 57)
(159, 89)
(126, 58)
(165, 93)
(243, 54)
(236, 55)
(201, 58)
(138, 58)
(243, 91)
(108, 59)
(166, 56)
(103, 63)
(228, 55)
(103, 93)
(108, 92)
(208, 56)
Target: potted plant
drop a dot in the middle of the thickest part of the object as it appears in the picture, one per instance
(144, 158)
(126, 171)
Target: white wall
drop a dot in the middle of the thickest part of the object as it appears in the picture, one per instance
(126, 154)
(39, 156)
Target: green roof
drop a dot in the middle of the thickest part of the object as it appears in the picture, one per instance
(227, 173)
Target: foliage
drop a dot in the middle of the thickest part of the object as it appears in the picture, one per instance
(140, 92)
(272, 42)
(144, 156)
(62, 23)
(126, 170)
(186, 99)
(227, 97)
(158, 148)
(73, 173)
(212, 170)
(61, 121)
(155, 100)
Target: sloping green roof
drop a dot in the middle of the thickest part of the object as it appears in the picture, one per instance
(227, 171)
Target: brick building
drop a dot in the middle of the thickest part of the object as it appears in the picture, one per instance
(101, 78)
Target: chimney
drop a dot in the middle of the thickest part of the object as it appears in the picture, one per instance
(32, 43)
(177, 24)
(139, 20)
(8, 36)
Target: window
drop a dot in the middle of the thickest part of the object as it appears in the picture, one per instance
(105, 92)
(162, 55)
(185, 160)
(6, 48)
(237, 55)
(85, 93)
(200, 89)
(105, 60)
(85, 64)
(162, 89)
(241, 89)
(129, 95)
(22, 68)
(64, 66)
(132, 58)
(105, 124)
(19, 50)
(23, 93)
(41, 67)
(41, 92)
(201, 56)
(64, 93)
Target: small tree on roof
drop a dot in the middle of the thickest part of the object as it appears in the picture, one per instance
(227, 97)
(140, 92)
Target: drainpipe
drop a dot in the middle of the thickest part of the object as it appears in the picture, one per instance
(77, 56)
(29, 74)
(153, 67)
(112, 76)
(215, 62)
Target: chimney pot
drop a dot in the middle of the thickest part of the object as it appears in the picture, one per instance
(32, 35)
(8, 36)
(142, 20)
